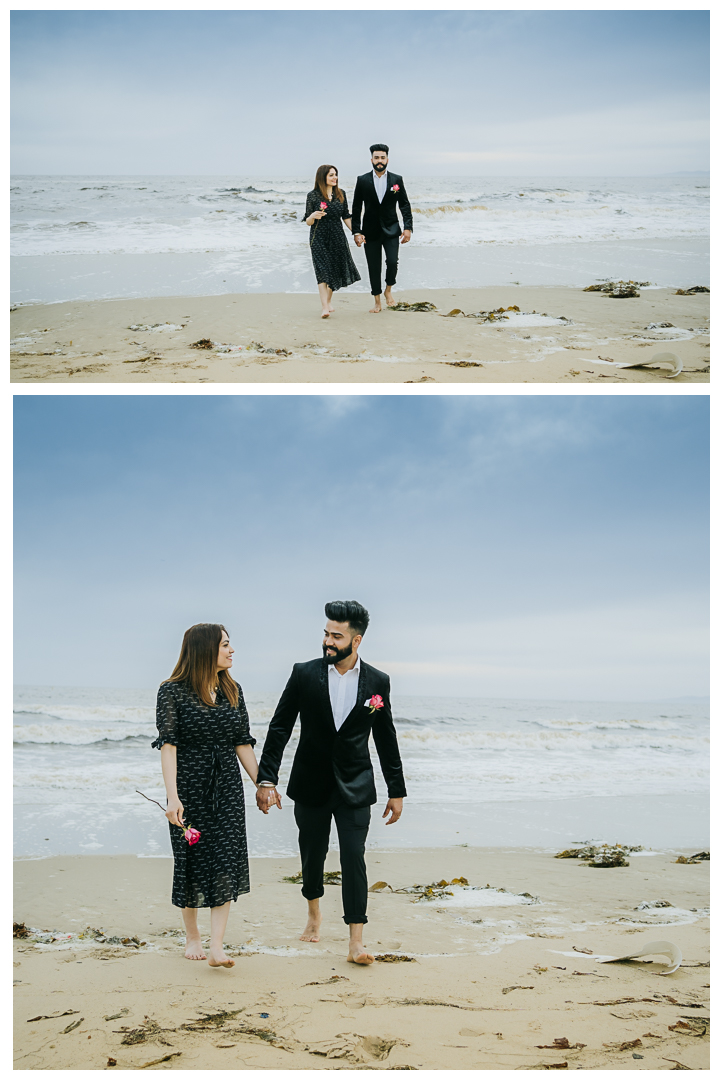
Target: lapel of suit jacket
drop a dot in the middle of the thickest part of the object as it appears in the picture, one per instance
(361, 692)
(373, 189)
(325, 696)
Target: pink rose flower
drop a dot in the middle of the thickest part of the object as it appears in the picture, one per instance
(395, 187)
(323, 206)
(192, 835)
(376, 702)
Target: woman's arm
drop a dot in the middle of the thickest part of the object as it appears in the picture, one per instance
(348, 223)
(168, 759)
(246, 757)
(310, 216)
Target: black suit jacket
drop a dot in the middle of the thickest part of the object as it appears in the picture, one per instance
(380, 218)
(327, 759)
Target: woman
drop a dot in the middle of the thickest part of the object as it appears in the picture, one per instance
(203, 725)
(326, 209)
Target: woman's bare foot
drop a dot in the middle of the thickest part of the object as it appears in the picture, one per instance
(194, 950)
(312, 930)
(326, 314)
(389, 299)
(358, 954)
(218, 958)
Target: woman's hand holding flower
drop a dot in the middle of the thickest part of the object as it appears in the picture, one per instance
(175, 812)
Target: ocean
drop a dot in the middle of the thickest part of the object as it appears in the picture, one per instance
(479, 772)
(99, 237)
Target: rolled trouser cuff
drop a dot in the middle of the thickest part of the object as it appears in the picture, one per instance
(312, 894)
(354, 919)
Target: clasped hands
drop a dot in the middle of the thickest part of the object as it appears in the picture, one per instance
(267, 797)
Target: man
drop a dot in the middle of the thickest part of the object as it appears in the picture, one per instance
(340, 701)
(381, 192)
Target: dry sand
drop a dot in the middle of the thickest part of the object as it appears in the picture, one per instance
(491, 994)
(93, 341)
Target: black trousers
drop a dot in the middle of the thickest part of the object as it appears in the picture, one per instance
(352, 823)
(373, 254)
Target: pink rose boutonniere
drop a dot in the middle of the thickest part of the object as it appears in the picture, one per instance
(395, 187)
(376, 702)
(191, 835)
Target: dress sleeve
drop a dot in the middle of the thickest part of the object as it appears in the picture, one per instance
(311, 204)
(242, 731)
(166, 716)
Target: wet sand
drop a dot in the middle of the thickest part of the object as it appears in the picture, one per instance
(280, 338)
(489, 987)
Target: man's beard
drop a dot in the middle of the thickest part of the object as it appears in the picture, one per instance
(380, 167)
(335, 658)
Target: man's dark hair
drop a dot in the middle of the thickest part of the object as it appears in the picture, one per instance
(348, 611)
(379, 146)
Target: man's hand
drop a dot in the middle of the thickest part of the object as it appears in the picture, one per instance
(394, 807)
(359, 239)
(407, 233)
(267, 797)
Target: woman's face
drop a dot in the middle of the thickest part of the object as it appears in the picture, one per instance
(331, 179)
(225, 654)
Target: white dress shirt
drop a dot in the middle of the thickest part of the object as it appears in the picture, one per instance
(343, 692)
(380, 185)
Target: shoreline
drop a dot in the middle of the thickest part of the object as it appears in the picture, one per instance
(666, 262)
(494, 977)
(560, 335)
(668, 823)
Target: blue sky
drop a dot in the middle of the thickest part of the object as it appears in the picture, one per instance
(262, 92)
(548, 547)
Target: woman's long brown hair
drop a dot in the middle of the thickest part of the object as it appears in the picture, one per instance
(321, 183)
(197, 663)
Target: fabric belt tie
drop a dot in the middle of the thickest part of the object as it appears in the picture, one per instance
(215, 772)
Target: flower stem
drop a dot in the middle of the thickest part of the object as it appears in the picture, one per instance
(163, 808)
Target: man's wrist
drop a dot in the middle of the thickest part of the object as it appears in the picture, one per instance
(265, 783)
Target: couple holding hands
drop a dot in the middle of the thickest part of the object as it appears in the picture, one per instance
(203, 730)
(373, 222)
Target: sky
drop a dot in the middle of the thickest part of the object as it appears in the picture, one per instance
(547, 547)
(463, 93)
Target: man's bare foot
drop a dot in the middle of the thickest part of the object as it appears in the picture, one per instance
(358, 954)
(389, 299)
(312, 930)
(378, 307)
(194, 950)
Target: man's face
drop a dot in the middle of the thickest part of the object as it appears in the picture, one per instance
(338, 641)
(379, 161)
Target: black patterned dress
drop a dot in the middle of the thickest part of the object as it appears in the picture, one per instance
(215, 869)
(328, 243)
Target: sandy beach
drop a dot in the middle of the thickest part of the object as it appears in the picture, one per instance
(492, 986)
(557, 335)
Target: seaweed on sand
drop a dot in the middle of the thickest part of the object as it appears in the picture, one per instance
(419, 305)
(601, 855)
(618, 288)
(700, 856)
